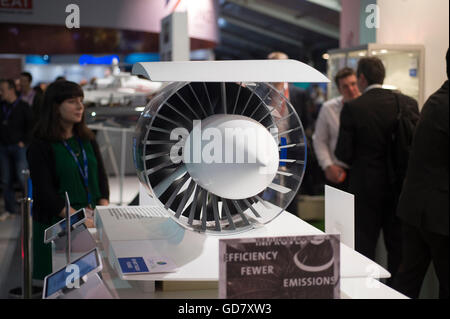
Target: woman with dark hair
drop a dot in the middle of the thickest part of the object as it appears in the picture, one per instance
(63, 157)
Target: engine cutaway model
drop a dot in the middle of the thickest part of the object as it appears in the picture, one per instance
(221, 157)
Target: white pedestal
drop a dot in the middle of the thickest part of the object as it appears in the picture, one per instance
(197, 256)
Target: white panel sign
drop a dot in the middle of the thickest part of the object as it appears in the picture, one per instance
(340, 214)
(229, 71)
(174, 39)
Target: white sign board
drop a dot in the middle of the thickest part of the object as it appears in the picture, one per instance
(340, 215)
(298, 267)
(174, 39)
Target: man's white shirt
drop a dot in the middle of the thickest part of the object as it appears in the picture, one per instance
(326, 133)
(373, 86)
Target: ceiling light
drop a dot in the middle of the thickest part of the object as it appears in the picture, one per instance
(222, 22)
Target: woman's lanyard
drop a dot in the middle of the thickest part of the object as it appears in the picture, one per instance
(7, 111)
(84, 172)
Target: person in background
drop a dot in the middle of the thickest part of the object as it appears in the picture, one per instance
(60, 78)
(299, 99)
(63, 157)
(27, 93)
(317, 99)
(297, 96)
(17, 84)
(30, 95)
(39, 90)
(15, 134)
(423, 203)
(41, 87)
(327, 128)
(366, 125)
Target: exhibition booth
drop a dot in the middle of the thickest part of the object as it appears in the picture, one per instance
(203, 227)
(217, 150)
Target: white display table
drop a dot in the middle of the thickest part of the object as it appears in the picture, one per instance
(197, 254)
(197, 257)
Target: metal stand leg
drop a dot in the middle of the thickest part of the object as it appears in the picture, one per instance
(122, 165)
(26, 240)
(111, 153)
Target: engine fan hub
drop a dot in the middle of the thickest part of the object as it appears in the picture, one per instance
(231, 156)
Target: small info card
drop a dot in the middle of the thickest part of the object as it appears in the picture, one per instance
(300, 267)
(146, 265)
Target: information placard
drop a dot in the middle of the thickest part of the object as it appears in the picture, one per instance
(340, 215)
(299, 267)
(145, 265)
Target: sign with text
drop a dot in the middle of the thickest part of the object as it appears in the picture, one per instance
(16, 4)
(136, 15)
(299, 267)
(146, 265)
(340, 215)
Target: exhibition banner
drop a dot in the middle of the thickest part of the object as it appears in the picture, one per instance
(299, 267)
(136, 15)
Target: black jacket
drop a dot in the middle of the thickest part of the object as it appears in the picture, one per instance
(299, 100)
(365, 128)
(424, 199)
(18, 123)
(36, 107)
(46, 201)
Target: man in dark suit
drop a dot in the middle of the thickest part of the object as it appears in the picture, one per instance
(423, 203)
(365, 130)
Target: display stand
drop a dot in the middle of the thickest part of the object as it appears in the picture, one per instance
(81, 242)
(340, 215)
(27, 290)
(92, 287)
(78, 280)
(196, 255)
(197, 258)
(68, 230)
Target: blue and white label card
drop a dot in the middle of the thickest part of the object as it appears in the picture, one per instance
(146, 265)
(132, 265)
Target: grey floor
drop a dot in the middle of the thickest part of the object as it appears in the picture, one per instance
(10, 255)
(10, 243)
